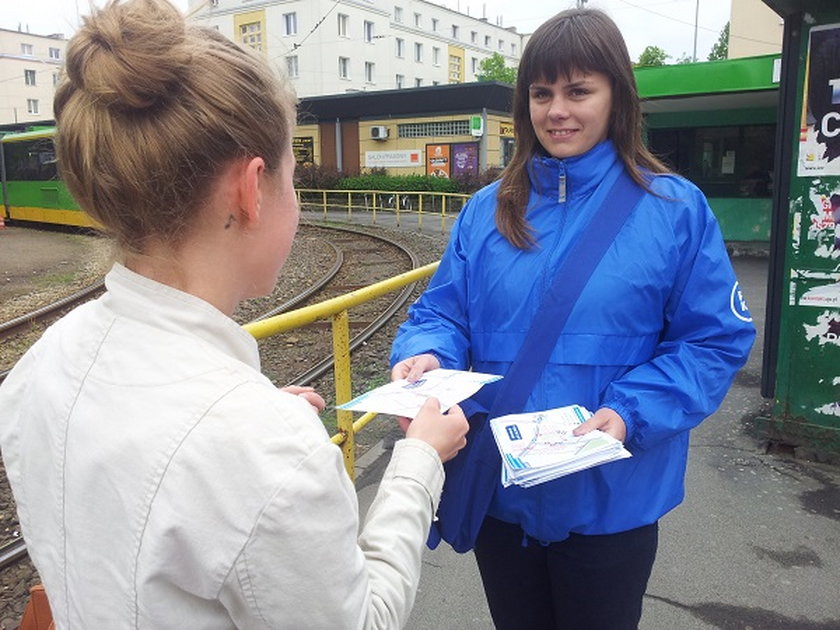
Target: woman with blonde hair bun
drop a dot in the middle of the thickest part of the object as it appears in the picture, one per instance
(161, 480)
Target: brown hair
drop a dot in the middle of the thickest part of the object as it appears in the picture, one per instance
(576, 40)
(151, 110)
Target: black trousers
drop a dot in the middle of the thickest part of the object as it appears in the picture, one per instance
(581, 583)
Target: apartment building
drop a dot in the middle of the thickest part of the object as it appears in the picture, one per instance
(338, 46)
(29, 70)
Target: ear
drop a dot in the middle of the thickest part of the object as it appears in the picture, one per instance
(250, 183)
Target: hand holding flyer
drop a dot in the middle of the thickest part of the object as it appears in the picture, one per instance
(402, 398)
(540, 446)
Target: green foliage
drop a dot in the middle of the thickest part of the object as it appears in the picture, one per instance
(684, 58)
(652, 56)
(314, 177)
(493, 68)
(398, 183)
(721, 48)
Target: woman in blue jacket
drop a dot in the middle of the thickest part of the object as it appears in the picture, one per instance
(651, 345)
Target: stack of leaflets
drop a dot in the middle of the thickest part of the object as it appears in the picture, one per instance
(402, 398)
(538, 447)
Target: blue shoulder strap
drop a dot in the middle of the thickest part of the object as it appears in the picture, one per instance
(569, 281)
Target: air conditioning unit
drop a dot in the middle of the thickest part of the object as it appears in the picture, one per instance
(379, 132)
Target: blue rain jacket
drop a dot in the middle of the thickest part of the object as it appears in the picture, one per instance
(657, 334)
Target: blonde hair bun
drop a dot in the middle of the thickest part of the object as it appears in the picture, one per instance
(129, 56)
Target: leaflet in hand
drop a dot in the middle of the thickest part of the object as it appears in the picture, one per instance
(402, 398)
(538, 447)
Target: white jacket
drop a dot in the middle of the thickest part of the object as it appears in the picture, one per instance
(163, 482)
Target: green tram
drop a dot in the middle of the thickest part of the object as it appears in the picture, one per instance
(31, 188)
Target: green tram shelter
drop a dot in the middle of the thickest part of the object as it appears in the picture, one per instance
(715, 123)
(801, 372)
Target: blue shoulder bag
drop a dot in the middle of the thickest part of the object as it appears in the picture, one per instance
(472, 476)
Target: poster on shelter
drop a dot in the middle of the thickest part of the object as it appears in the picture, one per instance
(303, 148)
(819, 136)
(437, 160)
(465, 159)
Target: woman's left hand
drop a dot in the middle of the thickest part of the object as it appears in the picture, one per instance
(308, 394)
(608, 421)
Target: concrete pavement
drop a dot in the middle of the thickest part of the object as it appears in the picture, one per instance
(755, 545)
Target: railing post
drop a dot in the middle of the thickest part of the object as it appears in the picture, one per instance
(443, 214)
(420, 214)
(349, 200)
(324, 201)
(343, 388)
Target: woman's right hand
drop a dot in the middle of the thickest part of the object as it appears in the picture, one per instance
(411, 369)
(445, 432)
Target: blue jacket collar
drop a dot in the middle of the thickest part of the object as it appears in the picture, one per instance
(583, 173)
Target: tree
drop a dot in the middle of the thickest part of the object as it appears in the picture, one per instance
(493, 68)
(721, 48)
(684, 58)
(652, 56)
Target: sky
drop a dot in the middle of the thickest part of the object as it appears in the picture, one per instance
(668, 24)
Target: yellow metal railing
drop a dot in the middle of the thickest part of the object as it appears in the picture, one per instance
(337, 309)
(418, 204)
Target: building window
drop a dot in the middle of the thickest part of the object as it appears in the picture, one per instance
(475, 65)
(342, 24)
(418, 52)
(436, 56)
(418, 20)
(513, 49)
(26, 49)
(55, 53)
(29, 77)
(455, 69)
(368, 31)
(398, 14)
(32, 106)
(292, 68)
(454, 31)
(370, 77)
(400, 47)
(430, 129)
(501, 44)
(344, 67)
(418, 82)
(290, 24)
(400, 81)
(56, 78)
(473, 37)
(487, 40)
(250, 34)
(434, 25)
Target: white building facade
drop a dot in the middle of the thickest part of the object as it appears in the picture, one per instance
(336, 46)
(30, 67)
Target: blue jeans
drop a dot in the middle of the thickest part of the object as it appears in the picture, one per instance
(581, 583)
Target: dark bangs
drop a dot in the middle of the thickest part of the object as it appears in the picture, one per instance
(564, 48)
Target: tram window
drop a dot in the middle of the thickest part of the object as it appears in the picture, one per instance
(30, 161)
(722, 161)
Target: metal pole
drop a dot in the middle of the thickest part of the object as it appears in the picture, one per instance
(339, 149)
(696, 14)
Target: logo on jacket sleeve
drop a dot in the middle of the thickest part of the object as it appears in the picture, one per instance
(738, 304)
